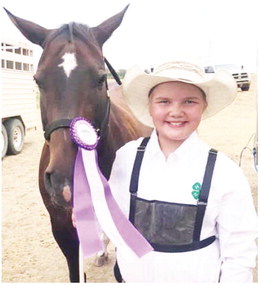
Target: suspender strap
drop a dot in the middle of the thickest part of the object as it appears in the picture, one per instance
(135, 177)
(204, 194)
(137, 165)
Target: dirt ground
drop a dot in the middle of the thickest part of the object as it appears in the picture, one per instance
(29, 252)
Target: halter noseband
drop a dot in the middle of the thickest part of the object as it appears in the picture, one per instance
(65, 122)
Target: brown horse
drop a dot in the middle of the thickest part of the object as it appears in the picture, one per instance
(71, 77)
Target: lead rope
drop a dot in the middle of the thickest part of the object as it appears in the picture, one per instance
(113, 72)
(117, 79)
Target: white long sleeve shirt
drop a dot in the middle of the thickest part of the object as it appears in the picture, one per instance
(230, 213)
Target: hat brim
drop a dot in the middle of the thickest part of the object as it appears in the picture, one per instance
(220, 91)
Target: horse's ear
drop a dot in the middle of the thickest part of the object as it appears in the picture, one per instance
(33, 32)
(103, 31)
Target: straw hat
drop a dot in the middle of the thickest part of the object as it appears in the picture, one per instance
(220, 90)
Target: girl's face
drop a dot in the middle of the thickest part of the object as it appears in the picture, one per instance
(176, 109)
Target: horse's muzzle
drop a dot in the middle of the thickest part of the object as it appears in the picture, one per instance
(59, 189)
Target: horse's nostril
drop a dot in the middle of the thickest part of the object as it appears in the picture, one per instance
(57, 186)
(47, 180)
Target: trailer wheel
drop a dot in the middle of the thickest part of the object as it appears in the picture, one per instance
(245, 87)
(4, 141)
(15, 134)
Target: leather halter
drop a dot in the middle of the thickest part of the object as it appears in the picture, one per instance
(65, 122)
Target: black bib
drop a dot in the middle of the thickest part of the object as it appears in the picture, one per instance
(170, 227)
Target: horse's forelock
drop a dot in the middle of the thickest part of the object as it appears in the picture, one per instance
(71, 31)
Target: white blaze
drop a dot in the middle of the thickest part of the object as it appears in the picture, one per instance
(69, 63)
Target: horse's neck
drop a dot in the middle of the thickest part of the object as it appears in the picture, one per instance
(114, 89)
(123, 127)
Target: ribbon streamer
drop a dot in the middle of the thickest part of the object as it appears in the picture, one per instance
(95, 208)
(88, 228)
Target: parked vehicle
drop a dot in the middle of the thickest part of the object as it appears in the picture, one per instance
(240, 75)
(18, 95)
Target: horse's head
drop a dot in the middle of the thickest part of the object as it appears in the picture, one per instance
(72, 80)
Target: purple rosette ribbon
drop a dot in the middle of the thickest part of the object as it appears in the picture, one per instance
(95, 208)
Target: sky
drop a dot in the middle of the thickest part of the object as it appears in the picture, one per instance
(155, 31)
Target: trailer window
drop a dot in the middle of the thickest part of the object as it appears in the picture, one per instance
(9, 64)
(25, 52)
(18, 51)
(9, 50)
(18, 66)
(26, 67)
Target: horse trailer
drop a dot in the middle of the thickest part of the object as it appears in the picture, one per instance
(18, 94)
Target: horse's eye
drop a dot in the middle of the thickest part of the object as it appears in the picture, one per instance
(102, 79)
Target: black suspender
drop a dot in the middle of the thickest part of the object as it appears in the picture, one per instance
(135, 177)
(204, 193)
(137, 165)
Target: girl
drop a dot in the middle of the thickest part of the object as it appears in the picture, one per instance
(190, 202)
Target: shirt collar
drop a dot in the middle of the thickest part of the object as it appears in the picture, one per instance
(190, 143)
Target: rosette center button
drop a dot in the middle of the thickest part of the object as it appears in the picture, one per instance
(86, 134)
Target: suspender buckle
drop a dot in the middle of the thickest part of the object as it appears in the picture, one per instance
(213, 151)
(141, 148)
(133, 193)
(201, 203)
